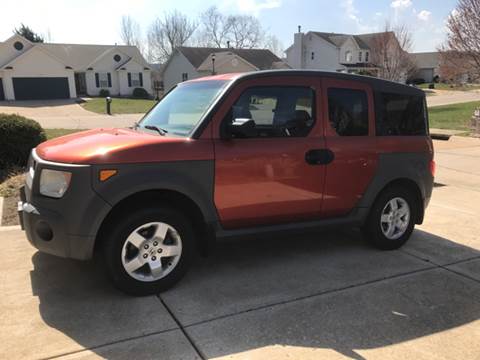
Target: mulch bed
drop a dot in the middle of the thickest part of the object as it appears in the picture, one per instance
(10, 183)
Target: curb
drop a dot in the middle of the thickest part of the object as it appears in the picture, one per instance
(10, 228)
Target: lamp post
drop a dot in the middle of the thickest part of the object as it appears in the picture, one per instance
(213, 64)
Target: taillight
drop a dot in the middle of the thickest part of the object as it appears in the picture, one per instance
(433, 167)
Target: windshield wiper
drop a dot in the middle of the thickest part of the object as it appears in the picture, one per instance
(161, 131)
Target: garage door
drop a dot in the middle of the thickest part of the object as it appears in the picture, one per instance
(41, 88)
(2, 95)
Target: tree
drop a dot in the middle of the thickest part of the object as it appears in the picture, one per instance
(273, 44)
(240, 31)
(460, 55)
(390, 53)
(167, 33)
(28, 34)
(130, 31)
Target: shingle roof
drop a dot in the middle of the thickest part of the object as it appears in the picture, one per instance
(261, 58)
(80, 56)
(364, 41)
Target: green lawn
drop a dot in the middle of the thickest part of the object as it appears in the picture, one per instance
(119, 105)
(454, 117)
(53, 133)
(441, 86)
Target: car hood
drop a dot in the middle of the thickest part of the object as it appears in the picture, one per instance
(116, 146)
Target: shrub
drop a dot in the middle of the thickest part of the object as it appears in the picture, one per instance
(431, 86)
(18, 136)
(104, 93)
(140, 93)
(417, 81)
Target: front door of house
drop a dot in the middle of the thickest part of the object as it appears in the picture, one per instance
(80, 83)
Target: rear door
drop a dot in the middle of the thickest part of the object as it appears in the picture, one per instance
(350, 134)
(269, 178)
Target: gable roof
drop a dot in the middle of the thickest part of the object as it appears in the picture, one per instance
(364, 41)
(80, 57)
(32, 49)
(260, 58)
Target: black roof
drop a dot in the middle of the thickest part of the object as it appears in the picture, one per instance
(376, 83)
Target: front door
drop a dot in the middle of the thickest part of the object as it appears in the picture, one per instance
(81, 83)
(350, 135)
(274, 175)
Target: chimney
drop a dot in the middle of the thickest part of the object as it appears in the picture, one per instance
(297, 58)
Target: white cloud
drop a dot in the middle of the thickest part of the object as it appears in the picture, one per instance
(350, 10)
(401, 4)
(378, 14)
(424, 15)
(253, 7)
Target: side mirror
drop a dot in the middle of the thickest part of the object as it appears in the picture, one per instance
(241, 128)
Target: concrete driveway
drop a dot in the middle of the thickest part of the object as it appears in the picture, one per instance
(65, 114)
(319, 296)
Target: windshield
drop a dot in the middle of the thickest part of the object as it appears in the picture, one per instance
(182, 108)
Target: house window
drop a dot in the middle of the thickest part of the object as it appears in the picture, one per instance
(348, 56)
(360, 55)
(313, 55)
(136, 80)
(367, 56)
(103, 80)
(184, 76)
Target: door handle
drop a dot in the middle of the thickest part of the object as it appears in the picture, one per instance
(319, 157)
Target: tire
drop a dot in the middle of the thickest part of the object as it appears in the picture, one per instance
(376, 229)
(137, 246)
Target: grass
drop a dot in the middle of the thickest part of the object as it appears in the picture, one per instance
(441, 86)
(53, 133)
(454, 117)
(119, 105)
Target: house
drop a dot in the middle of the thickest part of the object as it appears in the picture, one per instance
(194, 62)
(332, 51)
(30, 71)
(428, 65)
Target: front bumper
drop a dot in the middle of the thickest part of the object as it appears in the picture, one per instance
(65, 227)
(45, 230)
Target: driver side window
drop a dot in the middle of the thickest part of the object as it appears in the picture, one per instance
(276, 111)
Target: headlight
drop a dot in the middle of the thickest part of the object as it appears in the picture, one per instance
(54, 183)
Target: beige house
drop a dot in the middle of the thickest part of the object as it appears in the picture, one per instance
(30, 71)
(193, 62)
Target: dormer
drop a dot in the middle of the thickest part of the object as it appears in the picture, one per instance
(13, 47)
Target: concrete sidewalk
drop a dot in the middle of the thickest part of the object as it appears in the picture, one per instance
(319, 296)
(452, 97)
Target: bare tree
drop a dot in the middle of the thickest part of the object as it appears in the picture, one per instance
(390, 53)
(215, 28)
(460, 55)
(129, 31)
(245, 32)
(240, 31)
(167, 33)
(273, 44)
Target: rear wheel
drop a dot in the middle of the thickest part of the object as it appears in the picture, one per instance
(148, 251)
(392, 219)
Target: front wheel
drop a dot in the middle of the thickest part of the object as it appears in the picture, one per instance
(148, 251)
(392, 219)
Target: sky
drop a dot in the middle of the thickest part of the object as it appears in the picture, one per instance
(98, 21)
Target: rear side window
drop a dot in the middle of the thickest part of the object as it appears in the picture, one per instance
(348, 111)
(401, 115)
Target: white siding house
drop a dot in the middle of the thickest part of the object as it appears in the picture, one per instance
(331, 52)
(31, 71)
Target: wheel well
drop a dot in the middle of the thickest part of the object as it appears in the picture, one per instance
(174, 199)
(413, 187)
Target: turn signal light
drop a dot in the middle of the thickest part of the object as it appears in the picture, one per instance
(104, 175)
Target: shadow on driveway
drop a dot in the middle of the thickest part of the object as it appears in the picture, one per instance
(322, 290)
